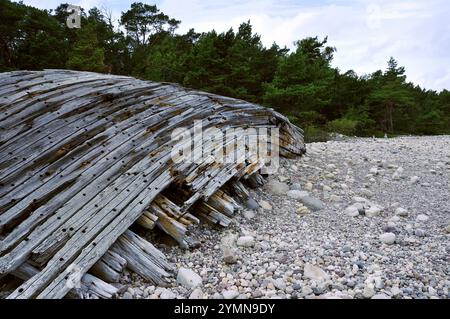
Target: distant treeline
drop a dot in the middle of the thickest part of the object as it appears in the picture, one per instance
(301, 84)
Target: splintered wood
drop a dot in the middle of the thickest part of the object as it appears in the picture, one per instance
(86, 156)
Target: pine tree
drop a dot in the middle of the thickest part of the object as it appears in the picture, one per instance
(86, 55)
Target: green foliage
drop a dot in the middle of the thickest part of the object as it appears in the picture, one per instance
(85, 54)
(143, 21)
(301, 84)
(302, 79)
(315, 134)
(232, 64)
(343, 126)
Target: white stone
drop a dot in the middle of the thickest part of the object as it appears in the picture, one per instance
(248, 214)
(395, 291)
(368, 292)
(413, 179)
(314, 272)
(309, 186)
(230, 294)
(335, 198)
(188, 278)
(387, 238)
(352, 211)
(296, 194)
(422, 218)
(246, 241)
(394, 219)
(167, 294)
(400, 211)
(359, 199)
(127, 295)
(265, 205)
(373, 211)
(277, 188)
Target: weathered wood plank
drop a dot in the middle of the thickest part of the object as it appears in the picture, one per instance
(87, 155)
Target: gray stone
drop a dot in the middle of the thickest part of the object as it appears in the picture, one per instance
(422, 218)
(277, 188)
(196, 294)
(188, 278)
(246, 241)
(401, 212)
(230, 294)
(373, 211)
(248, 214)
(279, 284)
(296, 194)
(251, 204)
(167, 294)
(312, 203)
(265, 205)
(127, 295)
(296, 286)
(314, 272)
(387, 238)
(368, 292)
(229, 256)
(319, 289)
(390, 229)
(419, 232)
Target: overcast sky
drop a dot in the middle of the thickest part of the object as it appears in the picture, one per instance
(366, 33)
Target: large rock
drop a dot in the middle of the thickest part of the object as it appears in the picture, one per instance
(229, 240)
(277, 188)
(228, 245)
(250, 203)
(312, 203)
(400, 211)
(297, 194)
(296, 186)
(229, 255)
(387, 238)
(188, 278)
(422, 218)
(352, 211)
(315, 273)
(373, 211)
(248, 214)
(279, 284)
(265, 205)
(246, 241)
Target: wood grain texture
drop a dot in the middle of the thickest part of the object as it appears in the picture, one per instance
(84, 156)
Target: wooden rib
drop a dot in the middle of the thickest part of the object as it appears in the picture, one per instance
(69, 208)
(90, 286)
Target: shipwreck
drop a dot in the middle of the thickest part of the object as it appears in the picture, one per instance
(86, 156)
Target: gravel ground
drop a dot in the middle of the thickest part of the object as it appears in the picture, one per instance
(382, 230)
